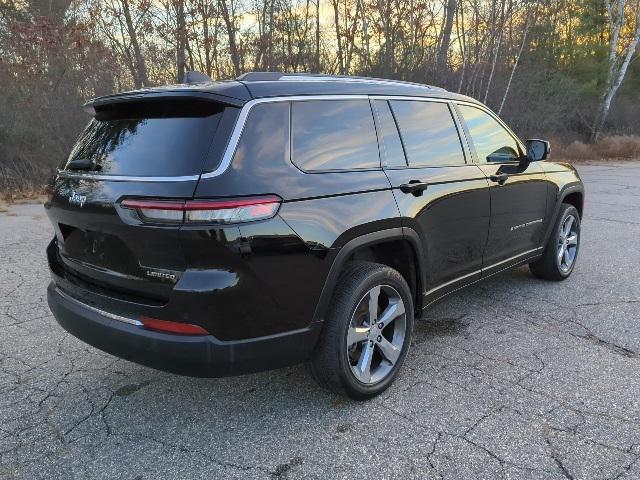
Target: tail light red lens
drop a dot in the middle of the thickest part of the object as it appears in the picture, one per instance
(167, 326)
(205, 211)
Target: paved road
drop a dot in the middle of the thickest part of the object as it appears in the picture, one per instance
(513, 378)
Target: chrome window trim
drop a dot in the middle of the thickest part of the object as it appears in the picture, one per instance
(112, 316)
(125, 178)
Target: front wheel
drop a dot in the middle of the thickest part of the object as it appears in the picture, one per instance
(561, 251)
(367, 331)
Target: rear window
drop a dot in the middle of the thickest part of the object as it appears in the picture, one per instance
(157, 138)
(333, 135)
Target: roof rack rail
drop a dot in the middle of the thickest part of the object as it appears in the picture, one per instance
(319, 77)
(260, 76)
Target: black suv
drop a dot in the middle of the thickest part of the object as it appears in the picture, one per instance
(220, 228)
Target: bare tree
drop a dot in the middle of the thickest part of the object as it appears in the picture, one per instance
(229, 22)
(621, 51)
(181, 41)
(515, 64)
(445, 42)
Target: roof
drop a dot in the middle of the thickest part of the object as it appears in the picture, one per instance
(254, 85)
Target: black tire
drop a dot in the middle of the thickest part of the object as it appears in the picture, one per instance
(550, 266)
(331, 363)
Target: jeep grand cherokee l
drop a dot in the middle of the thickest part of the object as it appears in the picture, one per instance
(220, 228)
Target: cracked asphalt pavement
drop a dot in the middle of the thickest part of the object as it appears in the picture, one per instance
(512, 378)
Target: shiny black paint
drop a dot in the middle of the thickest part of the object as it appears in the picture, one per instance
(451, 217)
(265, 278)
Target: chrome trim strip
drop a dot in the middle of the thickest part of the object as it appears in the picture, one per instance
(482, 270)
(126, 178)
(112, 316)
(512, 258)
(476, 272)
(421, 98)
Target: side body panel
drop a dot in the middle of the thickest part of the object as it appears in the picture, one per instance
(451, 218)
(283, 263)
(518, 213)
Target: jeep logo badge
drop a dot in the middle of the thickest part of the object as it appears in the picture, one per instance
(76, 199)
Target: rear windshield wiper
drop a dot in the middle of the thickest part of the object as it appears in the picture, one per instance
(83, 164)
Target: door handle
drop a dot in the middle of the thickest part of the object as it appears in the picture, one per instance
(499, 178)
(415, 187)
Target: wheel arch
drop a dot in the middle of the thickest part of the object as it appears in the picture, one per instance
(573, 194)
(398, 247)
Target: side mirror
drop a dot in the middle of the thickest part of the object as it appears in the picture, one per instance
(537, 149)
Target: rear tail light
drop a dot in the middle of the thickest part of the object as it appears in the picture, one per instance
(167, 326)
(205, 211)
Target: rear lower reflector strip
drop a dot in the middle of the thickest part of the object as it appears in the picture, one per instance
(167, 326)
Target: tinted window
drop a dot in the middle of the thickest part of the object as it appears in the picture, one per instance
(165, 138)
(333, 135)
(389, 137)
(492, 142)
(428, 132)
(265, 137)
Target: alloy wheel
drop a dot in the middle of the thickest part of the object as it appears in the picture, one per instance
(567, 243)
(376, 334)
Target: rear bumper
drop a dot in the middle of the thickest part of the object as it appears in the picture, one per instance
(200, 356)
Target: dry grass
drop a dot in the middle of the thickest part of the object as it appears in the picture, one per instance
(608, 148)
(18, 197)
(27, 195)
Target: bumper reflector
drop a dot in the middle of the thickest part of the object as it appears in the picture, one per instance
(167, 326)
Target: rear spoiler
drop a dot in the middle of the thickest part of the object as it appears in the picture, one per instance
(184, 92)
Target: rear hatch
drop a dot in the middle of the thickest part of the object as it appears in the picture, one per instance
(155, 148)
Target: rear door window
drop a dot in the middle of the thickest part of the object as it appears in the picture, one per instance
(329, 135)
(155, 138)
(429, 134)
(389, 136)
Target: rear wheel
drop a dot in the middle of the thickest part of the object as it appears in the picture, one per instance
(561, 251)
(367, 332)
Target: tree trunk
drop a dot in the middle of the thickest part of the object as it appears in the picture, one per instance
(463, 44)
(317, 36)
(231, 33)
(207, 38)
(180, 42)
(515, 65)
(495, 57)
(446, 39)
(140, 78)
(617, 70)
(336, 17)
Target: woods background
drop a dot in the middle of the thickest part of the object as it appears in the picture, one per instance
(562, 69)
